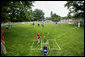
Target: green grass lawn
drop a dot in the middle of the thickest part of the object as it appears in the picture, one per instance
(19, 39)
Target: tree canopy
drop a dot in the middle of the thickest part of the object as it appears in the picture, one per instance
(76, 7)
(54, 16)
(38, 14)
(15, 10)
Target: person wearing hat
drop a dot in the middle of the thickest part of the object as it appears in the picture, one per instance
(38, 24)
(56, 22)
(3, 48)
(42, 24)
(33, 24)
(38, 36)
(45, 51)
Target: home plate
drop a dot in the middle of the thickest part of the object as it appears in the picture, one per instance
(50, 43)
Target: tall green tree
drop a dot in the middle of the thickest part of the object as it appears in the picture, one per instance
(15, 10)
(4, 11)
(51, 14)
(54, 16)
(38, 14)
(30, 16)
(76, 7)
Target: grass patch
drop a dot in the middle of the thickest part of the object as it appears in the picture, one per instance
(53, 45)
(36, 46)
(19, 39)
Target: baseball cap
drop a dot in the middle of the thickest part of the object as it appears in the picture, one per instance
(37, 34)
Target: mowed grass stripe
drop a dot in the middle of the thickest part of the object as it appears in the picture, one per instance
(21, 36)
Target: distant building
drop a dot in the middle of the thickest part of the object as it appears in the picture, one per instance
(71, 21)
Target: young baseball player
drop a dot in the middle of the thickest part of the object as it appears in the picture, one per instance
(56, 22)
(45, 51)
(38, 36)
(79, 24)
(33, 24)
(10, 25)
(3, 48)
(42, 24)
(38, 24)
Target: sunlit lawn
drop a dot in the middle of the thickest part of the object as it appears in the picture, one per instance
(19, 39)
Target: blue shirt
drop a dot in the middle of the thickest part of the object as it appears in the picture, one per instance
(45, 52)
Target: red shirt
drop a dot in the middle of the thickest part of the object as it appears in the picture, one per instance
(2, 38)
(38, 37)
